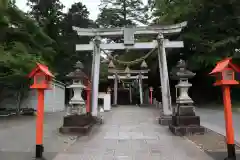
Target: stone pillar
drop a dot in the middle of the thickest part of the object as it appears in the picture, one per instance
(140, 89)
(95, 75)
(115, 90)
(165, 118)
(146, 97)
(130, 93)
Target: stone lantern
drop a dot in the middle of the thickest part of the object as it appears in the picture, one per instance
(78, 120)
(184, 120)
(182, 75)
(77, 104)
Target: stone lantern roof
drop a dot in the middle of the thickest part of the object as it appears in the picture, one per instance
(78, 74)
(181, 71)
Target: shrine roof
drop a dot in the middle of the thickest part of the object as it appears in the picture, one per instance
(41, 67)
(221, 65)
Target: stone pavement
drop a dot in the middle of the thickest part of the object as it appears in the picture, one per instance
(214, 120)
(132, 133)
(17, 137)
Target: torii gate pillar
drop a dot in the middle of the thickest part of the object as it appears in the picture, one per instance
(164, 119)
(95, 74)
(115, 90)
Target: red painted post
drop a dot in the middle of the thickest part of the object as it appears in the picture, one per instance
(225, 77)
(228, 122)
(88, 98)
(42, 78)
(151, 98)
(39, 123)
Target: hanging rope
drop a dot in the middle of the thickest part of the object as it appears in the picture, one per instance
(129, 63)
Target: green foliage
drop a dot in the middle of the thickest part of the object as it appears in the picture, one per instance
(22, 44)
(104, 72)
(48, 14)
(212, 31)
(117, 13)
(58, 26)
(76, 16)
(19, 41)
(43, 35)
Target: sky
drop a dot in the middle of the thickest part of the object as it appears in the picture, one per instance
(92, 6)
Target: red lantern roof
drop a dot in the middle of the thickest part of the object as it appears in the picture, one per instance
(42, 68)
(221, 65)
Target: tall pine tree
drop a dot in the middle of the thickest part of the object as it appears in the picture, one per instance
(118, 13)
(49, 14)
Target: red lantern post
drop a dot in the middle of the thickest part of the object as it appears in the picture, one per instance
(225, 77)
(88, 89)
(42, 78)
(151, 96)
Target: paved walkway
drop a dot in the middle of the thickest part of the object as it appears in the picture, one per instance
(214, 119)
(17, 137)
(132, 133)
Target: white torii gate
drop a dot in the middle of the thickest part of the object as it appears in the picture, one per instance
(129, 43)
(116, 75)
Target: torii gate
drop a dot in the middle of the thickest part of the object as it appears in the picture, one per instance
(129, 43)
(116, 76)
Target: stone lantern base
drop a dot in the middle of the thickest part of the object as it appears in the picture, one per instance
(79, 123)
(165, 120)
(185, 122)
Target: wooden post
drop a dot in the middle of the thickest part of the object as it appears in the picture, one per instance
(225, 72)
(42, 78)
(229, 124)
(151, 96)
(39, 124)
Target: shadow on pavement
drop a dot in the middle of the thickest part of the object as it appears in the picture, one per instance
(25, 155)
(220, 155)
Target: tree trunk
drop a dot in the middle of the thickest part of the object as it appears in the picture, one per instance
(125, 12)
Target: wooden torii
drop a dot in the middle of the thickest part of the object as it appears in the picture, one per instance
(129, 43)
(127, 76)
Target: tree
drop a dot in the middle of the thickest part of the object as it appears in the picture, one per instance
(78, 16)
(117, 13)
(211, 33)
(22, 44)
(48, 14)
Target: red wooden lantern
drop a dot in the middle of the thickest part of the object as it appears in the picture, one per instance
(225, 73)
(42, 77)
(151, 89)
